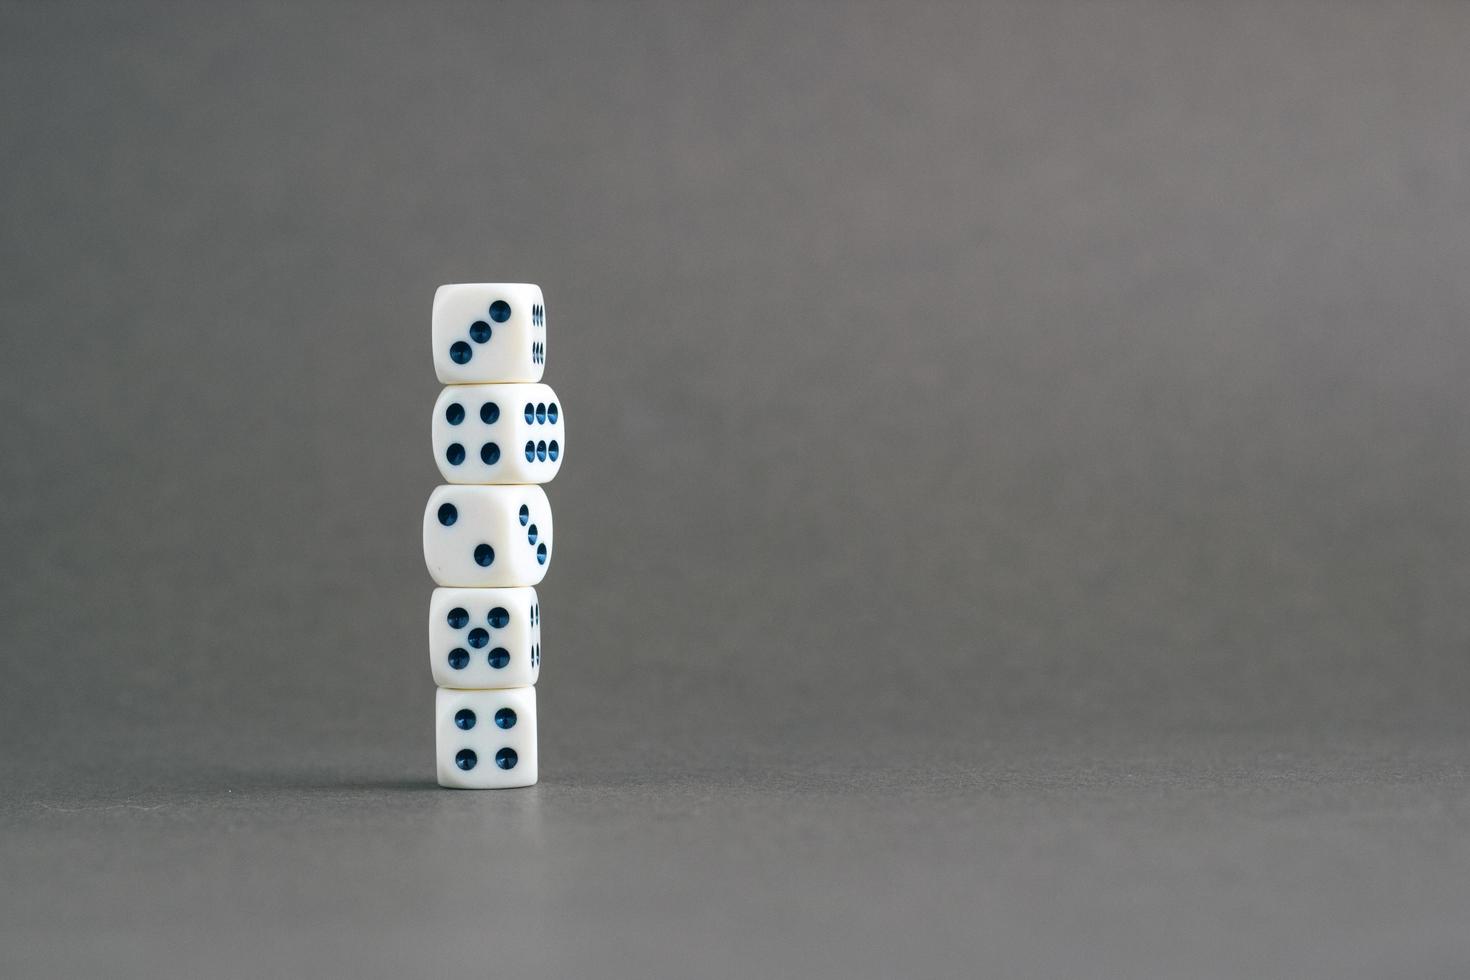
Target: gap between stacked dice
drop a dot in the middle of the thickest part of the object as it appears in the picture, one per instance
(498, 433)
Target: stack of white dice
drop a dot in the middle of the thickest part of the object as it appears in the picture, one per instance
(488, 540)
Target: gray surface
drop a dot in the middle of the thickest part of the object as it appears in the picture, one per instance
(1015, 522)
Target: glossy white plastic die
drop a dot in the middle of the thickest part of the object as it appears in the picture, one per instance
(489, 332)
(507, 433)
(488, 537)
(485, 739)
(485, 638)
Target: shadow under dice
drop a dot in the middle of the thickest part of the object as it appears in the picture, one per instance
(485, 739)
(506, 433)
(487, 537)
(489, 332)
(485, 638)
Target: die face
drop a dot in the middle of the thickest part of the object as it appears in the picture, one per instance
(489, 332)
(488, 536)
(485, 739)
(485, 638)
(503, 433)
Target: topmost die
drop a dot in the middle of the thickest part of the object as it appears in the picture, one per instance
(489, 332)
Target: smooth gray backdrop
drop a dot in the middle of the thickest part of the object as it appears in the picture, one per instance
(1014, 522)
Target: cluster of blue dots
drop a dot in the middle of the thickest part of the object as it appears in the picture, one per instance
(538, 348)
(541, 413)
(539, 449)
(506, 758)
(536, 647)
(465, 720)
(532, 534)
(538, 413)
(542, 450)
(480, 332)
(484, 554)
(478, 638)
(505, 719)
(489, 452)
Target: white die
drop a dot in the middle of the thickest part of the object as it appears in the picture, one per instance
(489, 332)
(487, 537)
(485, 638)
(511, 433)
(485, 739)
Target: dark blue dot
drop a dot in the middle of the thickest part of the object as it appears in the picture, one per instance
(530, 413)
(454, 414)
(479, 637)
(525, 515)
(448, 514)
(541, 413)
(553, 450)
(458, 618)
(464, 719)
(489, 453)
(541, 554)
(536, 655)
(466, 759)
(484, 555)
(530, 451)
(551, 412)
(500, 311)
(479, 331)
(531, 534)
(489, 412)
(505, 718)
(499, 657)
(460, 353)
(499, 617)
(506, 758)
(541, 450)
(455, 454)
(459, 658)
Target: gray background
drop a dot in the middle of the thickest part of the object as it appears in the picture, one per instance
(1015, 521)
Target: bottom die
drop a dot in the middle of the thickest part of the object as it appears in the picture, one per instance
(485, 739)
